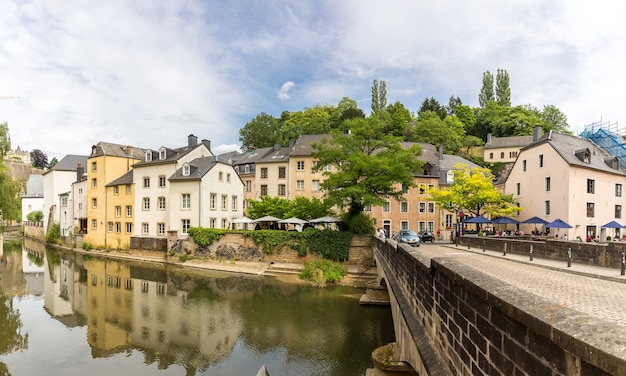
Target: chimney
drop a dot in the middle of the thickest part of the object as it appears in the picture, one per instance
(276, 147)
(129, 150)
(291, 143)
(192, 140)
(207, 143)
(488, 137)
(440, 152)
(80, 170)
(537, 133)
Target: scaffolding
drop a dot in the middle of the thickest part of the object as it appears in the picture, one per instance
(609, 137)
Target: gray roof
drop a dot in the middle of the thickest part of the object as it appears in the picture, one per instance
(69, 163)
(275, 155)
(171, 155)
(303, 146)
(252, 156)
(568, 146)
(198, 168)
(508, 142)
(34, 185)
(125, 179)
(448, 162)
(116, 150)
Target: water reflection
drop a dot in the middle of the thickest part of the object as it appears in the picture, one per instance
(204, 323)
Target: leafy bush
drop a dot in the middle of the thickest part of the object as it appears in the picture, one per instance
(360, 224)
(323, 272)
(87, 246)
(272, 240)
(330, 244)
(35, 216)
(53, 236)
(205, 236)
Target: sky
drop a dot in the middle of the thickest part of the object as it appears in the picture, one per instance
(149, 73)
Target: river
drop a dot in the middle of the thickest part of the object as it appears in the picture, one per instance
(68, 314)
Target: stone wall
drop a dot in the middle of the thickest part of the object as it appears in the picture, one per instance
(453, 319)
(599, 254)
(33, 230)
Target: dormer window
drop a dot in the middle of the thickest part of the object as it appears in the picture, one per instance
(428, 168)
(247, 169)
(162, 154)
(612, 162)
(584, 155)
(186, 169)
(148, 156)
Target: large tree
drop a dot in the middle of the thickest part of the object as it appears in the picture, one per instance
(553, 119)
(38, 159)
(431, 104)
(260, 132)
(430, 129)
(10, 205)
(379, 96)
(473, 192)
(453, 103)
(503, 90)
(399, 119)
(503, 121)
(369, 166)
(5, 140)
(486, 92)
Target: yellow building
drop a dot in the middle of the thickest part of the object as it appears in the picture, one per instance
(107, 163)
(303, 182)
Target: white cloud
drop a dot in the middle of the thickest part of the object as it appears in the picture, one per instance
(283, 93)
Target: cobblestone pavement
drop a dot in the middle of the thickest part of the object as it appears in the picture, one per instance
(595, 291)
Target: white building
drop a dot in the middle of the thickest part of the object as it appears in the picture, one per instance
(33, 199)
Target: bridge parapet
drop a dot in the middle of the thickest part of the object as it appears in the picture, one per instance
(450, 318)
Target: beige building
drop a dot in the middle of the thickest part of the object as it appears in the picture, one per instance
(504, 149)
(571, 178)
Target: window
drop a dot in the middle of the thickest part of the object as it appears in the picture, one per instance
(591, 186)
(422, 207)
(224, 202)
(512, 154)
(300, 165)
(186, 169)
(490, 155)
(146, 203)
(118, 211)
(315, 185)
(386, 207)
(367, 208)
(518, 188)
(185, 225)
(145, 228)
(404, 207)
(161, 201)
(404, 225)
(146, 182)
(547, 207)
(186, 201)
(128, 189)
(129, 227)
(247, 169)
(501, 155)
(248, 186)
(94, 183)
(160, 228)
(282, 172)
(448, 220)
(540, 160)
(282, 189)
(548, 184)
(263, 190)
(405, 189)
(328, 168)
(227, 178)
(162, 181)
(212, 201)
(524, 165)
(263, 173)
(431, 207)
(116, 190)
(80, 206)
(118, 227)
(220, 176)
(618, 211)
(618, 190)
(590, 209)
(129, 211)
(300, 184)
(233, 203)
(63, 201)
(212, 223)
(94, 167)
(162, 154)
(94, 203)
(224, 223)
(148, 156)
(110, 226)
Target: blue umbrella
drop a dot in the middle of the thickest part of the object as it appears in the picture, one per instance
(558, 223)
(505, 221)
(612, 224)
(477, 219)
(536, 220)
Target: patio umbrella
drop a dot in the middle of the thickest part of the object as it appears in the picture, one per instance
(296, 222)
(558, 223)
(267, 218)
(267, 222)
(325, 220)
(612, 224)
(243, 220)
(477, 219)
(536, 220)
(505, 221)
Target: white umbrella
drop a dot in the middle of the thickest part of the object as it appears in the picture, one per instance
(326, 219)
(293, 221)
(243, 220)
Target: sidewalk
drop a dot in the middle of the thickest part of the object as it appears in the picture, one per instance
(609, 274)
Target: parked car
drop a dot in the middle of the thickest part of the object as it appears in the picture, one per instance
(409, 237)
(427, 236)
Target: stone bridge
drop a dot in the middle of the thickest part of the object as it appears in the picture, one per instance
(457, 311)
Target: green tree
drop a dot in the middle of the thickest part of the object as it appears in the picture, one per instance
(379, 96)
(503, 121)
(553, 119)
(260, 132)
(312, 120)
(486, 92)
(369, 165)
(38, 159)
(430, 129)
(274, 206)
(473, 192)
(467, 117)
(399, 119)
(503, 90)
(431, 104)
(53, 162)
(453, 103)
(347, 108)
(10, 205)
(5, 140)
(12, 339)
(469, 141)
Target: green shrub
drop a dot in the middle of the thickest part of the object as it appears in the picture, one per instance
(330, 244)
(322, 272)
(205, 236)
(271, 240)
(87, 246)
(360, 224)
(35, 216)
(53, 236)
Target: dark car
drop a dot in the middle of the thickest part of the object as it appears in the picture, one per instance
(427, 236)
(409, 237)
